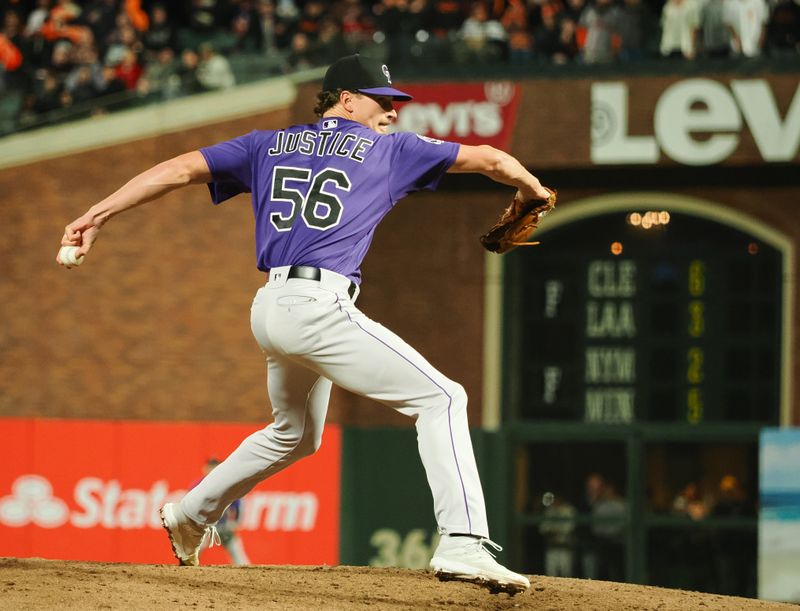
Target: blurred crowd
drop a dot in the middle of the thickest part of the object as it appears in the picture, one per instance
(57, 54)
(715, 555)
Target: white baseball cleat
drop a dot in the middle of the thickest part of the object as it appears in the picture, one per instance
(467, 559)
(186, 537)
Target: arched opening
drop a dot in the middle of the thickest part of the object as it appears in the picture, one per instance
(646, 340)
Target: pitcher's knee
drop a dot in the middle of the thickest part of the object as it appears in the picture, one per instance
(307, 445)
(295, 444)
(459, 394)
(453, 397)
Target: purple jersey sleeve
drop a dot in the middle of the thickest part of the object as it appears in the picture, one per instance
(418, 163)
(230, 165)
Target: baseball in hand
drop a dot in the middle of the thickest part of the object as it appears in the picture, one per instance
(69, 255)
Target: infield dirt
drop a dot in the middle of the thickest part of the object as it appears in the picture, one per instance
(51, 584)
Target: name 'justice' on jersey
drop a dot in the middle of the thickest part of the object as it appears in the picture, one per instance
(319, 190)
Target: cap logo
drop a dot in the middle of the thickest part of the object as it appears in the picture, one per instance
(385, 70)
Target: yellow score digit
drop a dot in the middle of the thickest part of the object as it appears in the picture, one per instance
(697, 318)
(694, 406)
(697, 278)
(694, 371)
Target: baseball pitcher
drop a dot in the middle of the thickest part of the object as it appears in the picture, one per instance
(318, 193)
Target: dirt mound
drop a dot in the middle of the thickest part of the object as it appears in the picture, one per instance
(54, 584)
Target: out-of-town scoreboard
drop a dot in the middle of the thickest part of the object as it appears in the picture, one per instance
(643, 315)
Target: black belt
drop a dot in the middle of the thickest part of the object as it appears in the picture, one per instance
(314, 273)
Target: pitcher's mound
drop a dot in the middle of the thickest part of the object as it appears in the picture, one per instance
(33, 583)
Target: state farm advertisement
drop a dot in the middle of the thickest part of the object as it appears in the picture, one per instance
(91, 490)
(469, 113)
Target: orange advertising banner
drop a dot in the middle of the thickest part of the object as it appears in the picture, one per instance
(91, 490)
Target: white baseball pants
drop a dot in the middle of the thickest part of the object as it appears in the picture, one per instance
(313, 335)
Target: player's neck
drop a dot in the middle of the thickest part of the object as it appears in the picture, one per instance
(338, 112)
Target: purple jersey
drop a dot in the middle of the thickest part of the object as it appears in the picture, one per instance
(320, 190)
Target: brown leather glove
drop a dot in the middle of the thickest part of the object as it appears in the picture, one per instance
(517, 224)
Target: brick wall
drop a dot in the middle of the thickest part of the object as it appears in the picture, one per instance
(156, 322)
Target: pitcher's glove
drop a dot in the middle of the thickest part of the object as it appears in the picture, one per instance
(517, 224)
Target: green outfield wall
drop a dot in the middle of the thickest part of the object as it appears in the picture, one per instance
(386, 506)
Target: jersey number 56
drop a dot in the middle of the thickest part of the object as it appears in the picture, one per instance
(319, 208)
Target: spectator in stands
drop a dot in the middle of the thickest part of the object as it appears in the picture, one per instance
(515, 20)
(732, 558)
(100, 16)
(80, 85)
(301, 53)
(12, 44)
(558, 529)
(716, 37)
(214, 70)
(402, 23)
(297, 34)
(268, 23)
(187, 73)
(35, 49)
(586, 538)
(161, 33)
(419, 14)
(203, 18)
(601, 21)
(329, 42)
(37, 18)
(446, 17)
(129, 70)
(567, 42)
(10, 60)
(110, 83)
(747, 20)
(356, 26)
(246, 28)
(547, 36)
(62, 23)
(137, 17)
(484, 39)
(12, 26)
(86, 55)
(160, 77)
(391, 20)
(47, 93)
(680, 20)
(636, 25)
(783, 30)
(690, 502)
(609, 514)
(61, 59)
(310, 19)
(287, 14)
(287, 9)
(86, 78)
(123, 38)
(573, 9)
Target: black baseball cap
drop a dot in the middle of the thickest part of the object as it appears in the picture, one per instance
(361, 74)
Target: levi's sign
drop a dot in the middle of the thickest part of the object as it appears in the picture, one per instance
(695, 122)
(469, 113)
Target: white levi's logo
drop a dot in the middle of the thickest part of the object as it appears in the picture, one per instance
(329, 123)
(431, 140)
(385, 70)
